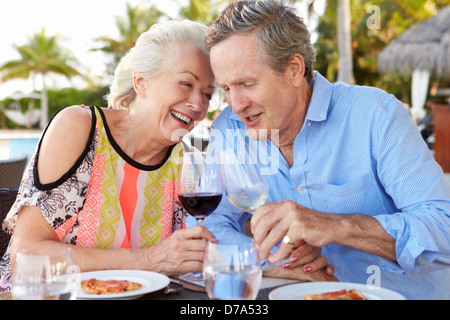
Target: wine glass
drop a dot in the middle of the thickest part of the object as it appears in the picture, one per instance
(45, 273)
(199, 188)
(245, 185)
(232, 272)
(199, 184)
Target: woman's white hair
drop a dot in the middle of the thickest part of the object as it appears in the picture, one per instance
(152, 56)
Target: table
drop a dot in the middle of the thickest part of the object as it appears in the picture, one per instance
(268, 285)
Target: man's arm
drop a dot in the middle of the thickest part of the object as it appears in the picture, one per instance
(317, 229)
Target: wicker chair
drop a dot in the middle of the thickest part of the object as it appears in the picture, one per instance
(11, 171)
(7, 198)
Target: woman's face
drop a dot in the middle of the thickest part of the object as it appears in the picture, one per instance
(176, 100)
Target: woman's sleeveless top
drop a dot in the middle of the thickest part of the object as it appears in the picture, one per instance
(106, 200)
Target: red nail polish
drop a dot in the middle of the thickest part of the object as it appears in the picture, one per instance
(286, 265)
(307, 269)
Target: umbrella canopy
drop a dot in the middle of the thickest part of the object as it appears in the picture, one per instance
(424, 47)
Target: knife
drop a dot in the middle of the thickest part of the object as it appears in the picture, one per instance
(266, 265)
(188, 285)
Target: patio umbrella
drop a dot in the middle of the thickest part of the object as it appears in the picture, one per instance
(420, 51)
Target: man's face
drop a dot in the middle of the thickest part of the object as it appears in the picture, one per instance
(263, 99)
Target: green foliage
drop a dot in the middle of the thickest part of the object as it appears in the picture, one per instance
(59, 99)
(205, 11)
(396, 16)
(41, 55)
(136, 21)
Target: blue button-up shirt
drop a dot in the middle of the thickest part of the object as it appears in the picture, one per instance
(357, 152)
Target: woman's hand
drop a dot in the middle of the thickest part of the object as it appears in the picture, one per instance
(309, 258)
(324, 274)
(309, 265)
(180, 253)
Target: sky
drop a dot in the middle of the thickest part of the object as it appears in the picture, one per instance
(77, 22)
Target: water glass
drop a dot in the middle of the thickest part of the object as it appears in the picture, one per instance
(45, 273)
(232, 272)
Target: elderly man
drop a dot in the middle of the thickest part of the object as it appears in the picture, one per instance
(353, 175)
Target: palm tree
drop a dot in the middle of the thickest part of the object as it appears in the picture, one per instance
(205, 11)
(40, 56)
(345, 73)
(136, 21)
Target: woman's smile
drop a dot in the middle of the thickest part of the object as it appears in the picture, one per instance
(180, 117)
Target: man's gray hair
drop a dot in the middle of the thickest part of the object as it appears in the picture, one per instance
(280, 31)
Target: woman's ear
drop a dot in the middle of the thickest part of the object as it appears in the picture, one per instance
(140, 85)
(296, 69)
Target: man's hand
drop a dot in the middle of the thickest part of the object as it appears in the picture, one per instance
(273, 221)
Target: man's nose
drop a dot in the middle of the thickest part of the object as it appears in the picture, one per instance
(238, 101)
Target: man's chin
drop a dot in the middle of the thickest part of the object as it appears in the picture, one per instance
(260, 134)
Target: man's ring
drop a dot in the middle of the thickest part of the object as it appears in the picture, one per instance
(287, 240)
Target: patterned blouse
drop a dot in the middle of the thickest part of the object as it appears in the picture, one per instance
(106, 200)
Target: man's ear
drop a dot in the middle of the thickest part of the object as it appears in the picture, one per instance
(140, 85)
(296, 69)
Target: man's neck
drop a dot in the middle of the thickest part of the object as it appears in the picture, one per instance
(287, 139)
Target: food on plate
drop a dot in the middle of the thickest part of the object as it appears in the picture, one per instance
(337, 295)
(95, 286)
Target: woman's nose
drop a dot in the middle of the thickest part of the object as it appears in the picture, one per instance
(197, 101)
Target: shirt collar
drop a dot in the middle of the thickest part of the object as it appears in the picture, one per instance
(320, 100)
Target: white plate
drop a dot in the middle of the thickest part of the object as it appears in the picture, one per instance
(151, 281)
(299, 290)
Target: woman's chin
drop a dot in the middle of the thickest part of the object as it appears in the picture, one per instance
(177, 135)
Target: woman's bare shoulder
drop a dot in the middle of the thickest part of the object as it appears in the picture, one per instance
(63, 143)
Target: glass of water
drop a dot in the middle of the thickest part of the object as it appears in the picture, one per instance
(45, 273)
(232, 272)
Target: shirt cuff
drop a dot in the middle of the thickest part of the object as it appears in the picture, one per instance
(414, 246)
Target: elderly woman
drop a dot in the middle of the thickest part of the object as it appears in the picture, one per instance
(102, 180)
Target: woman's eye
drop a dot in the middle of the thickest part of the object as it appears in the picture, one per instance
(187, 84)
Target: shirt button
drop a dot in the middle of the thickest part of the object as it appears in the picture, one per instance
(309, 124)
(300, 189)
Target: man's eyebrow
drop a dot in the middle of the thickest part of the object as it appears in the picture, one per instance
(239, 80)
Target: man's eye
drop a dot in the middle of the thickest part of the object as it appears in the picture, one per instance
(187, 84)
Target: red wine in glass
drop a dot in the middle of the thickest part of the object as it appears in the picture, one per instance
(199, 184)
(199, 189)
(200, 205)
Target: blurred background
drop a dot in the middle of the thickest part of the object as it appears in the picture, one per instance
(57, 53)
